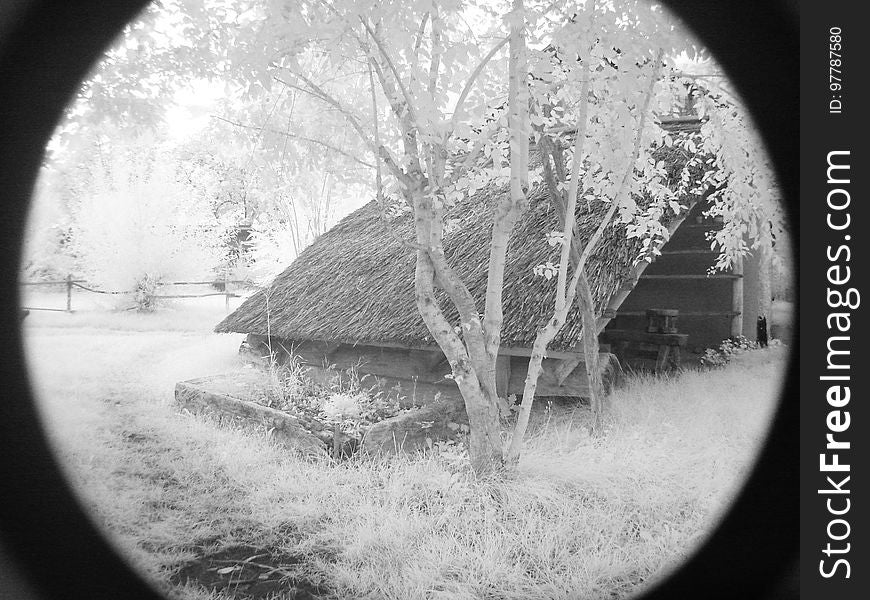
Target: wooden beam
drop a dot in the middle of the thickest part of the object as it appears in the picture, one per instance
(528, 352)
(632, 335)
(575, 385)
(686, 313)
(694, 276)
(688, 251)
(502, 350)
(566, 367)
(737, 298)
(710, 226)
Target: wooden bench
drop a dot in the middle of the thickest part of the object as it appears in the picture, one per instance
(630, 343)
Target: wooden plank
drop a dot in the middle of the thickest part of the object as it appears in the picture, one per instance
(408, 393)
(632, 335)
(662, 358)
(575, 385)
(737, 298)
(400, 374)
(387, 362)
(694, 276)
(688, 251)
(502, 350)
(566, 367)
(364, 360)
(435, 361)
(683, 313)
(393, 360)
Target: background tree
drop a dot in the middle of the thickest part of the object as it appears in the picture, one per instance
(256, 160)
(140, 227)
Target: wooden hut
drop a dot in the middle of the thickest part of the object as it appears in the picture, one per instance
(348, 299)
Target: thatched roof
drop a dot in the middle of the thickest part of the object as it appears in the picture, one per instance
(355, 283)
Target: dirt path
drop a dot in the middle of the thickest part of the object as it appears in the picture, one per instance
(160, 484)
(99, 381)
(106, 399)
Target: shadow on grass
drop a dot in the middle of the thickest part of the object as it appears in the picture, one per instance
(248, 572)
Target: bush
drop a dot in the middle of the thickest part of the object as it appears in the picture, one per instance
(721, 356)
(140, 228)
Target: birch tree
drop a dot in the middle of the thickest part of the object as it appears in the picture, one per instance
(620, 73)
(428, 76)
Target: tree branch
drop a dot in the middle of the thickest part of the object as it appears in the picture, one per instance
(507, 209)
(435, 63)
(420, 32)
(573, 189)
(302, 138)
(383, 51)
(319, 93)
(379, 187)
(457, 110)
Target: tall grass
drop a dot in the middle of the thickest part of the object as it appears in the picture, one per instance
(583, 517)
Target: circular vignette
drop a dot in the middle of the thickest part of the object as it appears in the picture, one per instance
(754, 549)
(49, 546)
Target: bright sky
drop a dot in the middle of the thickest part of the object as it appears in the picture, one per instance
(193, 108)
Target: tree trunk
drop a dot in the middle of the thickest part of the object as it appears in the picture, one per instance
(539, 348)
(552, 175)
(590, 351)
(566, 292)
(472, 349)
(485, 443)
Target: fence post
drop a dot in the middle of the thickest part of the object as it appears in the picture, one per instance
(69, 281)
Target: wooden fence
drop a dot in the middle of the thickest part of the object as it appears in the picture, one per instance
(69, 283)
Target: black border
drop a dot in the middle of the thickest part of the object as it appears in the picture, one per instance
(823, 132)
(52, 547)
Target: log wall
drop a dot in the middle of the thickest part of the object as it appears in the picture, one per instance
(710, 310)
(419, 376)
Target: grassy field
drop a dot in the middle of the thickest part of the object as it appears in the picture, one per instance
(583, 517)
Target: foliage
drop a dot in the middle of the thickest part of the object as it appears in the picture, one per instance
(262, 153)
(140, 227)
(47, 253)
(271, 247)
(343, 403)
(746, 196)
(727, 349)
